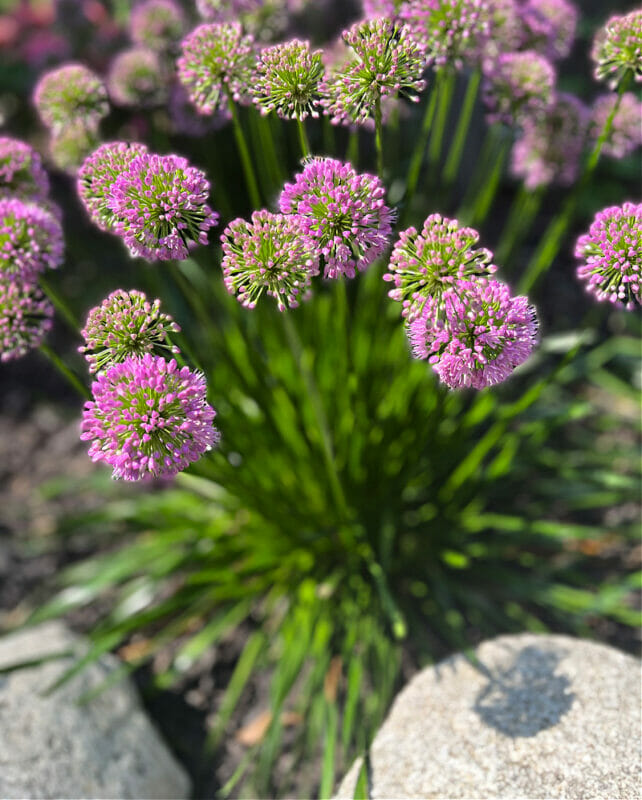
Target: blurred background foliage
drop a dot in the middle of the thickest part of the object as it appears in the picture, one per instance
(358, 521)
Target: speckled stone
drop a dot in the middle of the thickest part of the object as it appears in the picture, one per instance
(52, 747)
(535, 716)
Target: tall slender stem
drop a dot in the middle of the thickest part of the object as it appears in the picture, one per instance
(443, 107)
(317, 404)
(60, 305)
(379, 137)
(303, 138)
(552, 240)
(328, 136)
(417, 159)
(244, 152)
(463, 124)
(525, 208)
(69, 375)
(488, 192)
(352, 153)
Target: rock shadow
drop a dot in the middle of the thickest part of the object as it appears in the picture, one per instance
(526, 697)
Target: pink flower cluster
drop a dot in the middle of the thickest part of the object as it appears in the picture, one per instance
(148, 417)
(611, 255)
(617, 49)
(518, 86)
(31, 240)
(26, 317)
(21, 171)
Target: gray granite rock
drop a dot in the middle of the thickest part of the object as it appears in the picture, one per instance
(534, 717)
(52, 747)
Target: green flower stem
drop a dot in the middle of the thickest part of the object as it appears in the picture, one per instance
(248, 169)
(60, 305)
(524, 210)
(463, 125)
(490, 185)
(443, 107)
(268, 150)
(317, 404)
(417, 159)
(397, 622)
(352, 153)
(303, 138)
(379, 137)
(551, 242)
(69, 375)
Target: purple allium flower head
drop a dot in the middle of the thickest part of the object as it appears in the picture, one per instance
(476, 334)
(343, 214)
(424, 265)
(549, 149)
(98, 174)
(506, 29)
(31, 240)
(69, 147)
(617, 49)
(71, 94)
(518, 85)
(385, 62)
(160, 206)
(611, 254)
(549, 26)
(25, 318)
(287, 78)
(226, 10)
(157, 24)
(450, 31)
(263, 19)
(269, 254)
(148, 418)
(216, 64)
(136, 79)
(21, 171)
(379, 8)
(626, 132)
(125, 324)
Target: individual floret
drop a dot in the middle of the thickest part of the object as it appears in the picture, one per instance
(125, 324)
(31, 240)
(424, 265)
(269, 254)
(26, 317)
(148, 418)
(611, 255)
(216, 66)
(21, 172)
(71, 94)
(343, 214)
(287, 78)
(385, 62)
(476, 334)
(98, 174)
(160, 207)
(617, 49)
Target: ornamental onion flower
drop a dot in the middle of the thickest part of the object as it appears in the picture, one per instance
(71, 94)
(263, 19)
(125, 324)
(549, 26)
(344, 215)
(611, 255)
(505, 32)
(97, 175)
(31, 240)
(136, 79)
(160, 206)
(450, 31)
(156, 24)
(476, 334)
(269, 254)
(626, 132)
(617, 49)
(69, 147)
(384, 63)
(287, 78)
(148, 418)
(549, 149)
(518, 85)
(379, 8)
(26, 317)
(424, 265)
(216, 65)
(21, 172)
